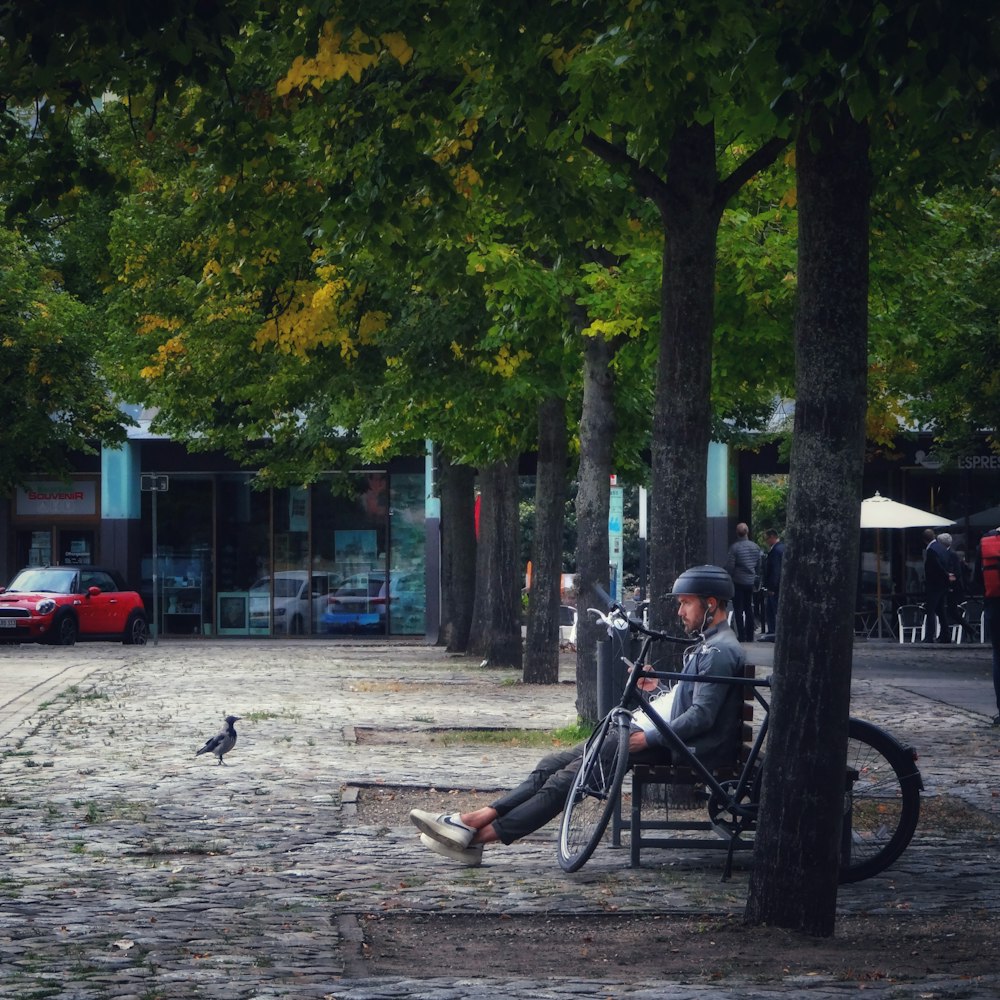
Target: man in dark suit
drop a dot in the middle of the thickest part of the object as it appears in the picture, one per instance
(956, 594)
(772, 576)
(937, 578)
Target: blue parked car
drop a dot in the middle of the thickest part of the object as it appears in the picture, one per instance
(359, 604)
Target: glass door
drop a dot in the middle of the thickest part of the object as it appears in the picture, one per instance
(76, 547)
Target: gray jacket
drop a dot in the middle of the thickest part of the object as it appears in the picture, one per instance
(743, 562)
(708, 716)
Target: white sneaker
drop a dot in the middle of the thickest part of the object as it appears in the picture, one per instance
(471, 857)
(448, 829)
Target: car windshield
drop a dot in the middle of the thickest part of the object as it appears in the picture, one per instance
(47, 581)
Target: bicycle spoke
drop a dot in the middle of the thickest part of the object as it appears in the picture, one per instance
(592, 797)
(882, 805)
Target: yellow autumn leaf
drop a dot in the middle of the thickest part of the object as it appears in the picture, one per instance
(398, 47)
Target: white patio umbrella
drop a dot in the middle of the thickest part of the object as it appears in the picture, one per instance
(880, 512)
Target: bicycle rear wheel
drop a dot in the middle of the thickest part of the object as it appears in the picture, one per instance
(881, 805)
(594, 791)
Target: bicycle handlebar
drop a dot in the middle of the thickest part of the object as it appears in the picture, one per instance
(617, 619)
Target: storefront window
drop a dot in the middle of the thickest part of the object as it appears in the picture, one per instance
(34, 548)
(292, 593)
(76, 547)
(243, 557)
(184, 541)
(350, 522)
(408, 603)
(341, 557)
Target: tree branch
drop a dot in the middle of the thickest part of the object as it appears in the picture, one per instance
(646, 182)
(757, 161)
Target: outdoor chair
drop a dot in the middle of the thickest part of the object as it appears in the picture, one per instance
(972, 611)
(911, 618)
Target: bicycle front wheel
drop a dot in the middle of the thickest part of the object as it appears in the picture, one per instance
(881, 804)
(594, 792)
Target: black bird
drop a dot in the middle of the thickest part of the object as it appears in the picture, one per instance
(223, 741)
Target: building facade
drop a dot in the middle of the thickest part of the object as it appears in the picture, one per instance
(966, 490)
(212, 555)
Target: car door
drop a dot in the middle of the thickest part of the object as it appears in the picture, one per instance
(104, 612)
(320, 587)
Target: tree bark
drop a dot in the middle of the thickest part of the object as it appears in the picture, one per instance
(458, 554)
(496, 618)
(597, 433)
(691, 212)
(794, 878)
(541, 652)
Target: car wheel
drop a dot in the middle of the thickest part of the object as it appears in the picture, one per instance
(136, 631)
(65, 631)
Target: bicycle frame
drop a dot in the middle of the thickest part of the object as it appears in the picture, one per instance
(881, 775)
(633, 697)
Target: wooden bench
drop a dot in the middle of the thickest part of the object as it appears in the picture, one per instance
(646, 831)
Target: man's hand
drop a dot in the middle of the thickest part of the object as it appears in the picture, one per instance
(637, 742)
(647, 683)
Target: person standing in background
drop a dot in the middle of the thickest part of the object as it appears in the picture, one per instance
(743, 565)
(772, 576)
(937, 579)
(955, 593)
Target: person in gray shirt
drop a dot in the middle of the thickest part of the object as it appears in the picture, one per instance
(743, 564)
(705, 716)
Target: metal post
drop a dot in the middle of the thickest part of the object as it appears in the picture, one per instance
(156, 585)
(643, 501)
(150, 482)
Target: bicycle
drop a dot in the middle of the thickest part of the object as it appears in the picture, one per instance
(881, 799)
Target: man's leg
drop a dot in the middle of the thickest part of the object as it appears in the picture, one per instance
(932, 619)
(742, 615)
(464, 834)
(536, 800)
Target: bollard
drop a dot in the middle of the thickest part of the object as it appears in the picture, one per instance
(611, 671)
(604, 696)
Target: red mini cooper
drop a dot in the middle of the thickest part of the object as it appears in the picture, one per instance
(60, 604)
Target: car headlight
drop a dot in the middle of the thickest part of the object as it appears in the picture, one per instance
(45, 606)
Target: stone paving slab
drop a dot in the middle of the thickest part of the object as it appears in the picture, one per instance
(133, 869)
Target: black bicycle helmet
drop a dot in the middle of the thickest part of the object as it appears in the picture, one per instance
(704, 581)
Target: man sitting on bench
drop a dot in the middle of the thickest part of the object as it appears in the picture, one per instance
(705, 716)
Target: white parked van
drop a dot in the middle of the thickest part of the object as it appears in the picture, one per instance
(299, 601)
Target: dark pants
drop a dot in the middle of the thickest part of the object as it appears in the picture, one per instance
(743, 612)
(772, 611)
(542, 795)
(937, 612)
(991, 605)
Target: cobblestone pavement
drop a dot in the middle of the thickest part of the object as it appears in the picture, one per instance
(133, 869)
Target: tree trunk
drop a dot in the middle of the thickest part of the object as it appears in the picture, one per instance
(458, 554)
(794, 878)
(597, 434)
(496, 618)
(541, 653)
(682, 409)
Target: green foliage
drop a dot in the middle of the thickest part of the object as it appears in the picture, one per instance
(54, 397)
(565, 736)
(935, 317)
(769, 505)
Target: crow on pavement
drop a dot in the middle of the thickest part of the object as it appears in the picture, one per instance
(223, 741)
